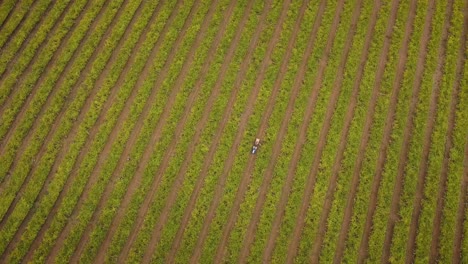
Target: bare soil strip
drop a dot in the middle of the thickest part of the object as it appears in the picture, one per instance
(20, 51)
(10, 13)
(47, 105)
(462, 205)
(288, 184)
(317, 245)
(161, 121)
(366, 132)
(401, 66)
(428, 138)
(245, 181)
(136, 131)
(94, 176)
(17, 27)
(39, 81)
(85, 72)
(226, 115)
(94, 129)
(201, 124)
(173, 194)
(296, 236)
(30, 134)
(250, 233)
(394, 209)
(436, 229)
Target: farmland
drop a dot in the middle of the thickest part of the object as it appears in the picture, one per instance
(126, 130)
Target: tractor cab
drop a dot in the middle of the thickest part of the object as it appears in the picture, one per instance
(255, 145)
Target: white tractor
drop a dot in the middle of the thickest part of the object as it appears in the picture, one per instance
(255, 145)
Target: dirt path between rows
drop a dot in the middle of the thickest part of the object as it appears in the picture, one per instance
(245, 181)
(156, 135)
(10, 13)
(13, 58)
(226, 116)
(24, 16)
(296, 86)
(337, 86)
(173, 194)
(198, 133)
(462, 205)
(436, 229)
(384, 145)
(366, 130)
(250, 234)
(43, 191)
(92, 132)
(310, 109)
(423, 167)
(30, 137)
(114, 135)
(407, 133)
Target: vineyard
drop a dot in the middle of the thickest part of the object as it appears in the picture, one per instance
(127, 129)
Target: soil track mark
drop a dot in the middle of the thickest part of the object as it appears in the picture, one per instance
(198, 132)
(317, 245)
(401, 66)
(226, 115)
(423, 167)
(407, 133)
(161, 121)
(44, 190)
(38, 82)
(93, 131)
(220, 252)
(30, 135)
(124, 115)
(134, 136)
(366, 131)
(173, 194)
(436, 228)
(9, 36)
(19, 51)
(250, 234)
(288, 184)
(11, 11)
(293, 246)
(134, 183)
(462, 205)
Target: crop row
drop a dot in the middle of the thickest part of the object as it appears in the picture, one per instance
(383, 218)
(352, 76)
(63, 171)
(148, 85)
(439, 181)
(45, 205)
(220, 80)
(118, 148)
(174, 151)
(36, 180)
(318, 132)
(369, 175)
(30, 29)
(88, 201)
(25, 71)
(240, 119)
(23, 167)
(297, 130)
(26, 85)
(21, 12)
(402, 228)
(6, 10)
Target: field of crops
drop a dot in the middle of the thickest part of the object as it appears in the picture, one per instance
(126, 130)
